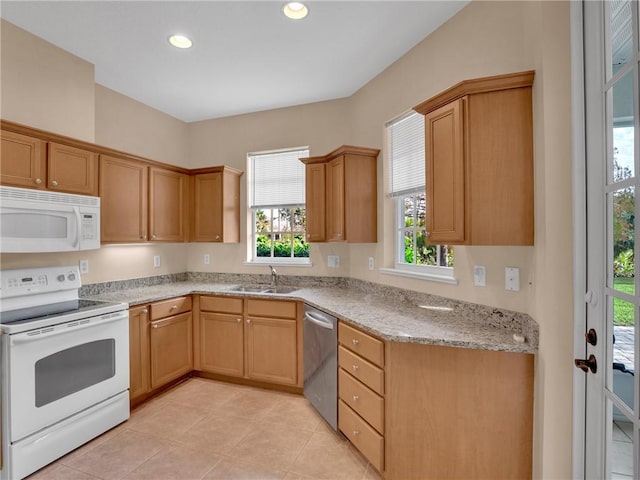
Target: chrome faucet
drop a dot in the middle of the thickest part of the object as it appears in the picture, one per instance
(274, 277)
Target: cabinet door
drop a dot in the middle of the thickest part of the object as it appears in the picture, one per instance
(138, 352)
(72, 170)
(208, 208)
(335, 200)
(445, 174)
(272, 350)
(167, 205)
(123, 200)
(23, 161)
(221, 348)
(171, 345)
(315, 201)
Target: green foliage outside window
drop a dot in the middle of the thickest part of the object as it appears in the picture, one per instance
(280, 233)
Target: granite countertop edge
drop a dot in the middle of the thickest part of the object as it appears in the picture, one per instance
(389, 320)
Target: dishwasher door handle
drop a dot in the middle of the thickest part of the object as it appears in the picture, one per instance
(318, 321)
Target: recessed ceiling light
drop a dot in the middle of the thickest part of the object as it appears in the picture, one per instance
(295, 10)
(180, 41)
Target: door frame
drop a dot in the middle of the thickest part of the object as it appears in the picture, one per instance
(579, 178)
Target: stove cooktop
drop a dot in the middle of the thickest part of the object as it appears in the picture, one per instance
(40, 316)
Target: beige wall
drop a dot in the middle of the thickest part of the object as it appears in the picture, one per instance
(485, 38)
(43, 86)
(133, 127)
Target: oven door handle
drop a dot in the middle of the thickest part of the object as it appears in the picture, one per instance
(70, 327)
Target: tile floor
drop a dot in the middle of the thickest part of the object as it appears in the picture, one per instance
(203, 429)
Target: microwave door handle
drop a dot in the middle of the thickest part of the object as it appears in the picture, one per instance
(76, 210)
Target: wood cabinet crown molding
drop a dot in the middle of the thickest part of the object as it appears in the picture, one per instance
(343, 150)
(474, 86)
(8, 126)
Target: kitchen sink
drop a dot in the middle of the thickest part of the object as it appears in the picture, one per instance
(281, 289)
(250, 288)
(263, 289)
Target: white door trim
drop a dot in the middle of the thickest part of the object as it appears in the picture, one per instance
(579, 232)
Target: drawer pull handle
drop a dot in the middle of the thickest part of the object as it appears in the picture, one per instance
(355, 341)
(356, 433)
(355, 398)
(355, 368)
(174, 307)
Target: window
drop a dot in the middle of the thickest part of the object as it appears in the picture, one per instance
(278, 206)
(407, 165)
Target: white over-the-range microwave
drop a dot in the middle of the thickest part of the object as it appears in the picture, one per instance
(44, 221)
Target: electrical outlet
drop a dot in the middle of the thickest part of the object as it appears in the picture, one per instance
(156, 261)
(371, 263)
(333, 261)
(84, 267)
(207, 259)
(480, 276)
(512, 279)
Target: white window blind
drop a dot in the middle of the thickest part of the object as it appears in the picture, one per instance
(406, 142)
(278, 178)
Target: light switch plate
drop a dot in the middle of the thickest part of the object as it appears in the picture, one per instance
(156, 261)
(333, 261)
(207, 259)
(371, 263)
(512, 279)
(479, 276)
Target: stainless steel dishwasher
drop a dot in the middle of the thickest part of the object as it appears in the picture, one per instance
(321, 363)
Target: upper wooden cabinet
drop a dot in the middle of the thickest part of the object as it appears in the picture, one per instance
(123, 200)
(341, 196)
(168, 201)
(33, 163)
(479, 162)
(72, 170)
(140, 203)
(216, 205)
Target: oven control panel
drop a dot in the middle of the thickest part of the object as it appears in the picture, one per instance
(29, 281)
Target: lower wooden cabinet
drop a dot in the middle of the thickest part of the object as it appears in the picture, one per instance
(160, 345)
(138, 352)
(252, 339)
(171, 348)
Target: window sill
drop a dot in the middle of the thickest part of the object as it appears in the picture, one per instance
(284, 263)
(420, 276)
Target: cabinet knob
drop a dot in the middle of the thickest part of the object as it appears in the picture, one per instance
(54, 183)
(145, 311)
(355, 341)
(355, 367)
(38, 181)
(356, 433)
(217, 237)
(355, 398)
(238, 320)
(248, 320)
(155, 326)
(153, 237)
(174, 307)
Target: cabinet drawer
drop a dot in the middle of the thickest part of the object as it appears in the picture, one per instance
(361, 435)
(364, 345)
(271, 308)
(367, 403)
(366, 372)
(170, 307)
(221, 304)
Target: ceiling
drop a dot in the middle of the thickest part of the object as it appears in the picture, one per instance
(246, 56)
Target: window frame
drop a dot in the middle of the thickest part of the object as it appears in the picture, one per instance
(252, 231)
(424, 272)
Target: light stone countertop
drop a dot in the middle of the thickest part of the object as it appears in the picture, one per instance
(434, 323)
